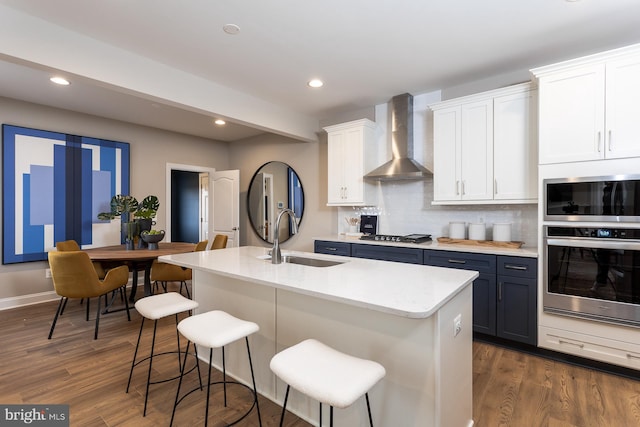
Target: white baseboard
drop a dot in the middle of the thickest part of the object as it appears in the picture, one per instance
(23, 300)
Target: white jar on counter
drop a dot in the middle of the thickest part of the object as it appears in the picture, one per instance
(457, 230)
(478, 231)
(502, 232)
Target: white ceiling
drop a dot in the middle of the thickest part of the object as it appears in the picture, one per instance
(365, 51)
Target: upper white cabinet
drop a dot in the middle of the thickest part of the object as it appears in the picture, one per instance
(351, 154)
(588, 107)
(485, 148)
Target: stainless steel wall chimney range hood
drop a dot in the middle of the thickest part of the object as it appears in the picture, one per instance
(401, 166)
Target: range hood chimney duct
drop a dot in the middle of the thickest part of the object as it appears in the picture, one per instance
(401, 166)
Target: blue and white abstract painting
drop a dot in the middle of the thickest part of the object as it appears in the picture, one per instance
(54, 186)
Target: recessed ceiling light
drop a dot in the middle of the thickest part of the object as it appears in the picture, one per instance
(315, 83)
(219, 122)
(60, 81)
(231, 29)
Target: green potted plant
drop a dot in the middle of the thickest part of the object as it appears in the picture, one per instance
(128, 208)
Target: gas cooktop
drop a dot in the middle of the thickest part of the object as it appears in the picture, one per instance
(411, 238)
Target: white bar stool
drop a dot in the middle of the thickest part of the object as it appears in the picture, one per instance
(153, 308)
(216, 329)
(326, 375)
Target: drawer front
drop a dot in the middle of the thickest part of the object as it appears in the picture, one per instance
(385, 253)
(481, 263)
(517, 266)
(591, 347)
(332, 248)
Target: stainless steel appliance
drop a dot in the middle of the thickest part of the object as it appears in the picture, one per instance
(410, 238)
(613, 198)
(593, 272)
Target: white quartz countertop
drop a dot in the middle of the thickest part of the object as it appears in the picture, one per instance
(407, 290)
(524, 251)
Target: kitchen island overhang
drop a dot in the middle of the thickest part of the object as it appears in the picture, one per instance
(400, 315)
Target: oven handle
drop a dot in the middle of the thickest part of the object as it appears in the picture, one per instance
(595, 243)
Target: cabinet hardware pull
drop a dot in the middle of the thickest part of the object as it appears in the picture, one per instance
(330, 249)
(462, 187)
(457, 261)
(457, 188)
(495, 186)
(579, 345)
(599, 141)
(499, 291)
(610, 141)
(515, 267)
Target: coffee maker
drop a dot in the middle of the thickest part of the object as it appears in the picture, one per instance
(369, 224)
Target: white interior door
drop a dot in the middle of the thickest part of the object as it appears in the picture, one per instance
(225, 205)
(204, 206)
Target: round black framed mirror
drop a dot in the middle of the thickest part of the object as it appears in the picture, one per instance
(274, 187)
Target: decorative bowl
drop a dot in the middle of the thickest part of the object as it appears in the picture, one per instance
(152, 239)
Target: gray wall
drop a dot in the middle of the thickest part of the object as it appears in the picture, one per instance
(151, 149)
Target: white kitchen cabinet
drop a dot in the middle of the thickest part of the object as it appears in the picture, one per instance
(588, 108)
(350, 155)
(484, 148)
(515, 165)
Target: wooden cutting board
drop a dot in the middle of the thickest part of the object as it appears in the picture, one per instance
(511, 245)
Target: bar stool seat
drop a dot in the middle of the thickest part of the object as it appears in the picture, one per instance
(216, 329)
(326, 375)
(156, 307)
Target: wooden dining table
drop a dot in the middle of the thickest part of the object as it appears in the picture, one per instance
(138, 259)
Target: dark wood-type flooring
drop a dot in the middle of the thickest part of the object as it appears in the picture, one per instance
(510, 388)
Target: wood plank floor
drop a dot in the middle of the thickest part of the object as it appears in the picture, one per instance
(510, 388)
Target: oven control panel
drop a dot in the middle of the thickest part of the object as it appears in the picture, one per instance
(595, 233)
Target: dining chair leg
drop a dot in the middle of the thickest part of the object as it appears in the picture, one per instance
(87, 315)
(55, 319)
(64, 305)
(123, 290)
(95, 335)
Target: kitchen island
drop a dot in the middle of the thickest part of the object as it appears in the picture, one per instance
(402, 316)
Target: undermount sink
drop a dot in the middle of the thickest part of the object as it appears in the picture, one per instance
(312, 262)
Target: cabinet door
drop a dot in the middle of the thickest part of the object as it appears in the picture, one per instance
(476, 152)
(484, 304)
(515, 149)
(335, 161)
(446, 148)
(353, 170)
(484, 287)
(517, 316)
(623, 93)
(571, 108)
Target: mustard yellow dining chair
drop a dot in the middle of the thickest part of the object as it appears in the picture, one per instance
(220, 241)
(72, 245)
(161, 272)
(75, 277)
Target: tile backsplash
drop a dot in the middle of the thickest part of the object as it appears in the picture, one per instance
(404, 207)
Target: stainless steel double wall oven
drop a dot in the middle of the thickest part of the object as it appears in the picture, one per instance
(592, 248)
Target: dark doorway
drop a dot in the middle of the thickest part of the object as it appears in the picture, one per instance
(185, 215)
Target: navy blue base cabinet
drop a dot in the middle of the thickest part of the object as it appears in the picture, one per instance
(505, 297)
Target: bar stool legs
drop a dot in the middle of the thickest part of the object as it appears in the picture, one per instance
(216, 329)
(154, 308)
